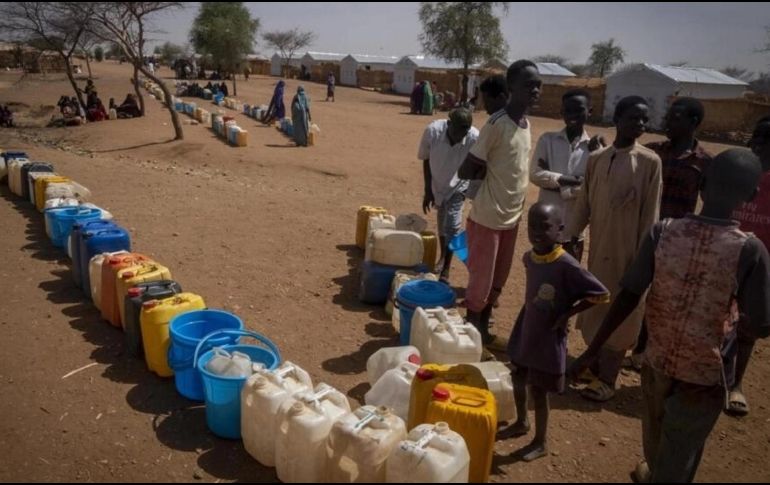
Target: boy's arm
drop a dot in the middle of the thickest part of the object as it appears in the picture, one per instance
(475, 165)
(650, 212)
(473, 168)
(427, 199)
(540, 172)
(754, 288)
(581, 306)
(581, 214)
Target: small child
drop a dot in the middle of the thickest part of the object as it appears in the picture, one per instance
(557, 289)
(699, 270)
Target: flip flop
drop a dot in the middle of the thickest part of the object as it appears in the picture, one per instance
(598, 391)
(641, 473)
(737, 405)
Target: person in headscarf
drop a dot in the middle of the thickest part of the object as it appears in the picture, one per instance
(276, 110)
(300, 117)
(427, 99)
(223, 89)
(416, 98)
(129, 108)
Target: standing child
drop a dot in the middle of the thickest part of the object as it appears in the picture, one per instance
(559, 162)
(557, 289)
(620, 197)
(699, 270)
(330, 82)
(754, 217)
(500, 159)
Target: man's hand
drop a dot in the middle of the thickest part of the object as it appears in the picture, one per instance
(543, 164)
(428, 201)
(570, 181)
(596, 142)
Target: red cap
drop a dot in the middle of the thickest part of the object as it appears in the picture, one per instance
(440, 394)
(127, 275)
(414, 359)
(424, 374)
(135, 291)
(150, 304)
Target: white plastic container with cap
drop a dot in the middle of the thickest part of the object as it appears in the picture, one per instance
(500, 384)
(379, 221)
(261, 399)
(431, 453)
(226, 364)
(411, 222)
(388, 358)
(359, 445)
(306, 420)
(95, 275)
(393, 389)
(444, 337)
(394, 248)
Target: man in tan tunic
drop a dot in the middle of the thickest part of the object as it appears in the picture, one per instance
(620, 200)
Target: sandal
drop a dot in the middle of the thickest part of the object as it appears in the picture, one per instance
(641, 473)
(736, 404)
(598, 391)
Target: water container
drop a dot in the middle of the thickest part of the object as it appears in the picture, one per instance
(62, 221)
(472, 413)
(110, 267)
(246, 109)
(388, 358)
(392, 247)
(261, 400)
(429, 376)
(500, 384)
(14, 174)
(429, 248)
(132, 329)
(402, 277)
(48, 216)
(61, 202)
(186, 330)
(95, 276)
(106, 215)
(411, 222)
(27, 170)
(178, 105)
(32, 182)
(362, 222)
(459, 245)
(154, 321)
(75, 249)
(379, 221)
(54, 191)
(376, 280)
(305, 423)
(223, 394)
(431, 453)
(225, 364)
(393, 389)
(113, 114)
(143, 273)
(424, 294)
(41, 184)
(242, 138)
(444, 337)
(207, 95)
(107, 240)
(359, 445)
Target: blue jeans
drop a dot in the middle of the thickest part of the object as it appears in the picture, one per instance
(450, 216)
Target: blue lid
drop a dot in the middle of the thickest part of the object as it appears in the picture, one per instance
(426, 293)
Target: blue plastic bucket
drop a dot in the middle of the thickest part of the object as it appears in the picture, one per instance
(222, 393)
(424, 294)
(459, 245)
(187, 329)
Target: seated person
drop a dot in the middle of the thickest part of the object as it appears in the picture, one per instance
(6, 117)
(97, 112)
(129, 108)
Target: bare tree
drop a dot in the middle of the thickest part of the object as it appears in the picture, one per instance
(58, 25)
(126, 24)
(736, 72)
(605, 55)
(288, 42)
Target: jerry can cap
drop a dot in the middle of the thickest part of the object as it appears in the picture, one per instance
(135, 291)
(414, 359)
(440, 394)
(127, 275)
(424, 374)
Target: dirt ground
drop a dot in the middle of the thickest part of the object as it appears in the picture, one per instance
(267, 232)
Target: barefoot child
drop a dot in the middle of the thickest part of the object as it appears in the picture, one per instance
(557, 289)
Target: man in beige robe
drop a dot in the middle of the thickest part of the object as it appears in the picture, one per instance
(620, 201)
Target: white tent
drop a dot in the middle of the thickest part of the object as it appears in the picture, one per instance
(352, 63)
(658, 84)
(403, 72)
(277, 62)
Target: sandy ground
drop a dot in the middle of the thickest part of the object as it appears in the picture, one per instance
(267, 232)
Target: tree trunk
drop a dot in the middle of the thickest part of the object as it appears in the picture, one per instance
(464, 95)
(179, 133)
(138, 91)
(74, 84)
(88, 65)
(235, 86)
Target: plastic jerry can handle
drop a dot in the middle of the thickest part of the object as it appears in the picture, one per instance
(470, 402)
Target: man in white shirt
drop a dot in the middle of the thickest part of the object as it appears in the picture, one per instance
(559, 161)
(444, 146)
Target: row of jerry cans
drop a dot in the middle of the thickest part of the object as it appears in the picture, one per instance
(464, 396)
(310, 435)
(227, 128)
(286, 126)
(255, 112)
(38, 183)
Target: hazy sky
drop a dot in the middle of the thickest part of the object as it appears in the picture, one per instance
(704, 34)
